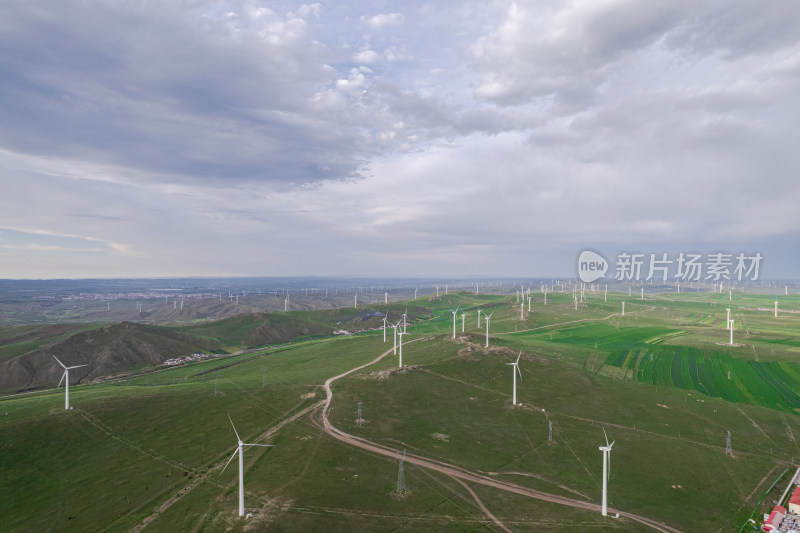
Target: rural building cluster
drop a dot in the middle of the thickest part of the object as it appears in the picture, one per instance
(785, 519)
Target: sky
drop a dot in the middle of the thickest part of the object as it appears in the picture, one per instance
(394, 138)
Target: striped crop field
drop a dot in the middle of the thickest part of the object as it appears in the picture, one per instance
(714, 373)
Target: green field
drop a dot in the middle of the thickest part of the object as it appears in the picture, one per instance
(656, 380)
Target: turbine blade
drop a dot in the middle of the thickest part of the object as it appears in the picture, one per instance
(519, 371)
(234, 429)
(609, 465)
(231, 459)
(264, 445)
(605, 435)
(77, 366)
(59, 362)
(62, 379)
(520, 355)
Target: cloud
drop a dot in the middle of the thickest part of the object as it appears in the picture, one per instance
(45, 240)
(366, 57)
(496, 138)
(383, 19)
(182, 96)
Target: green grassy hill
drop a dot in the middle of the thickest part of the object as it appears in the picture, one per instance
(149, 448)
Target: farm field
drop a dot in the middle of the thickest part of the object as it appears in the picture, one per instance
(150, 448)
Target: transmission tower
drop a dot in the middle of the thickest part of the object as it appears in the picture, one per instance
(401, 473)
(550, 433)
(728, 444)
(359, 420)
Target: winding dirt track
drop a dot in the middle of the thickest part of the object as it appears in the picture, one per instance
(461, 473)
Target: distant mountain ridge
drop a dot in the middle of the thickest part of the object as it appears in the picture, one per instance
(121, 347)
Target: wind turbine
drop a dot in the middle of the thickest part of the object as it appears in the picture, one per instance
(400, 361)
(489, 316)
(405, 320)
(516, 371)
(394, 352)
(454, 320)
(479, 317)
(463, 319)
(606, 471)
(240, 451)
(730, 325)
(64, 376)
(384, 326)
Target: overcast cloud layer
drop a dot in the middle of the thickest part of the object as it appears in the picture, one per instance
(393, 138)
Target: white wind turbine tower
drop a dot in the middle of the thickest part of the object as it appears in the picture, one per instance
(400, 360)
(385, 320)
(606, 471)
(516, 371)
(463, 319)
(454, 320)
(240, 451)
(405, 321)
(479, 317)
(488, 317)
(64, 376)
(394, 326)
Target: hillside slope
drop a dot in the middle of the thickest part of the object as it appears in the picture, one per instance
(257, 329)
(125, 346)
(107, 350)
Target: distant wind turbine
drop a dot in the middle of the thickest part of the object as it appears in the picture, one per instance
(606, 471)
(65, 376)
(454, 320)
(515, 372)
(400, 360)
(489, 316)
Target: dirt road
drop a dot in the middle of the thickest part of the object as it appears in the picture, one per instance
(460, 473)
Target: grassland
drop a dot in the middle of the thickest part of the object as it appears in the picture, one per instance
(132, 444)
